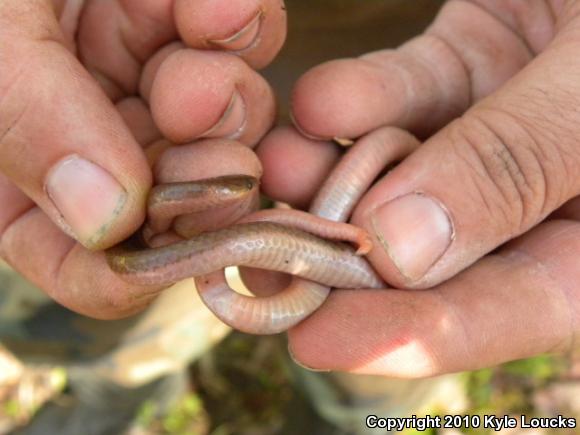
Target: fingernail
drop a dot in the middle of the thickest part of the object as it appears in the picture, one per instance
(415, 231)
(299, 364)
(242, 39)
(88, 198)
(233, 120)
(343, 141)
(302, 131)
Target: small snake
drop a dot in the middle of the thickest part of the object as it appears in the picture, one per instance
(301, 244)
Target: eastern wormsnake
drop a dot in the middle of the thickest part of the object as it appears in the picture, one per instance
(281, 240)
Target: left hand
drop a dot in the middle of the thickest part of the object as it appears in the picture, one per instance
(87, 88)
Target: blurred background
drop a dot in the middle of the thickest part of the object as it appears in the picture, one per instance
(239, 384)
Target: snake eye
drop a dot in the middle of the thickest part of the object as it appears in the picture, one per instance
(241, 183)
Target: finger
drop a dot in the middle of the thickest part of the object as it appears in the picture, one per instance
(152, 66)
(520, 302)
(209, 94)
(264, 283)
(116, 37)
(19, 205)
(294, 166)
(50, 259)
(482, 180)
(255, 30)
(138, 119)
(43, 254)
(205, 159)
(68, 14)
(61, 141)
(469, 51)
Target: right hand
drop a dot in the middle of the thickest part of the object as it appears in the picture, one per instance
(494, 86)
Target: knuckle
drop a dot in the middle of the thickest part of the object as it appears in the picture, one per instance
(514, 173)
(16, 101)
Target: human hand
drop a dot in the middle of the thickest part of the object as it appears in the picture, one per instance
(71, 150)
(500, 79)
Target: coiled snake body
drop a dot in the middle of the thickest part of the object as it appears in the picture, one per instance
(287, 241)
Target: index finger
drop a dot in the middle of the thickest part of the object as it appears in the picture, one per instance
(116, 37)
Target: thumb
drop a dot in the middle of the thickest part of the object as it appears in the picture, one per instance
(487, 177)
(61, 140)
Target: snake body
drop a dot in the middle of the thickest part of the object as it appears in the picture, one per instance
(279, 240)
